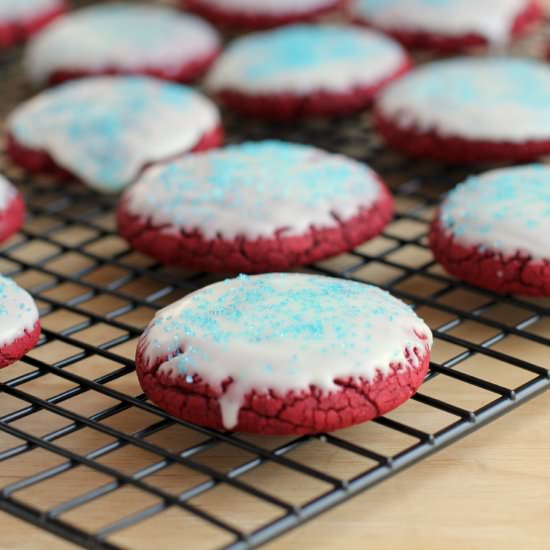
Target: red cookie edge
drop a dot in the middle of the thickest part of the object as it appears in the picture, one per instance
(301, 412)
(285, 107)
(12, 217)
(13, 351)
(190, 249)
(532, 13)
(504, 274)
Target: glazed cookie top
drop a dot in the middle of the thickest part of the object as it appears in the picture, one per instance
(505, 210)
(18, 311)
(499, 99)
(254, 189)
(275, 7)
(106, 129)
(19, 10)
(283, 332)
(124, 36)
(306, 58)
(7, 192)
(490, 19)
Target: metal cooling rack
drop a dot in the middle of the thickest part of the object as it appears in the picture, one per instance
(72, 409)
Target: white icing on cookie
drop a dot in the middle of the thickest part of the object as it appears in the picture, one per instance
(306, 58)
(17, 311)
(106, 129)
(268, 7)
(283, 332)
(123, 36)
(254, 189)
(7, 192)
(21, 10)
(494, 99)
(490, 19)
(505, 210)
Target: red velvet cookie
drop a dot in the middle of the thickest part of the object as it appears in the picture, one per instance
(306, 70)
(283, 354)
(12, 209)
(469, 110)
(122, 39)
(19, 322)
(105, 130)
(254, 207)
(450, 25)
(20, 19)
(492, 231)
(260, 14)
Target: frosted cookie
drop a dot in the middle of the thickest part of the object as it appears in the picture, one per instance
(12, 209)
(283, 354)
(492, 231)
(19, 322)
(469, 110)
(105, 130)
(260, 14)
(451, 24)
(255, 207)
(122, 39)
(306, 70)
(20, 19)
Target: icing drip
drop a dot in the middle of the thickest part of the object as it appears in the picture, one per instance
(506, 210)
(487, 99)
(7, 192)
(128, 37)
(282, 332)
(491, 19)
(17, 311)
(254, 189)
(106, 129)
(303, 58)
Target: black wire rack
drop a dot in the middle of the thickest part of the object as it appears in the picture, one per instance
(85, 456)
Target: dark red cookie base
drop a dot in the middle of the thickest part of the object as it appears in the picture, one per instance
(13, 33)
(518, 274)
(303, 412)
(240, 255)
(243, 20)
(444, 43)
(12, 352)
(40, 161)
(416, 143)
(285, 107)
(187, 72)
(12, 218)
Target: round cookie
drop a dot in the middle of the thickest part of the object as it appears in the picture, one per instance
(12, 209)
(122, 39)
(469, 110)
(283, 354)
(451, 25)
(305, 70)
(255, 207)
(492, 231)
(19, 322)
(105, 130)
(20, 19)
(260, 14)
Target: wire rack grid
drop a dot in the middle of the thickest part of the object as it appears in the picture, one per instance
(85, 456)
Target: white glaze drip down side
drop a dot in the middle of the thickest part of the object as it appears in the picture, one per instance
(490, 19)
(18, 311)
(283, 332)
(21, 10)
(505, 210)
(494, 99)
(305, 58)
(106, 129)
(254, 190)
(7, 192)
(268, 7)
(123, 36)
